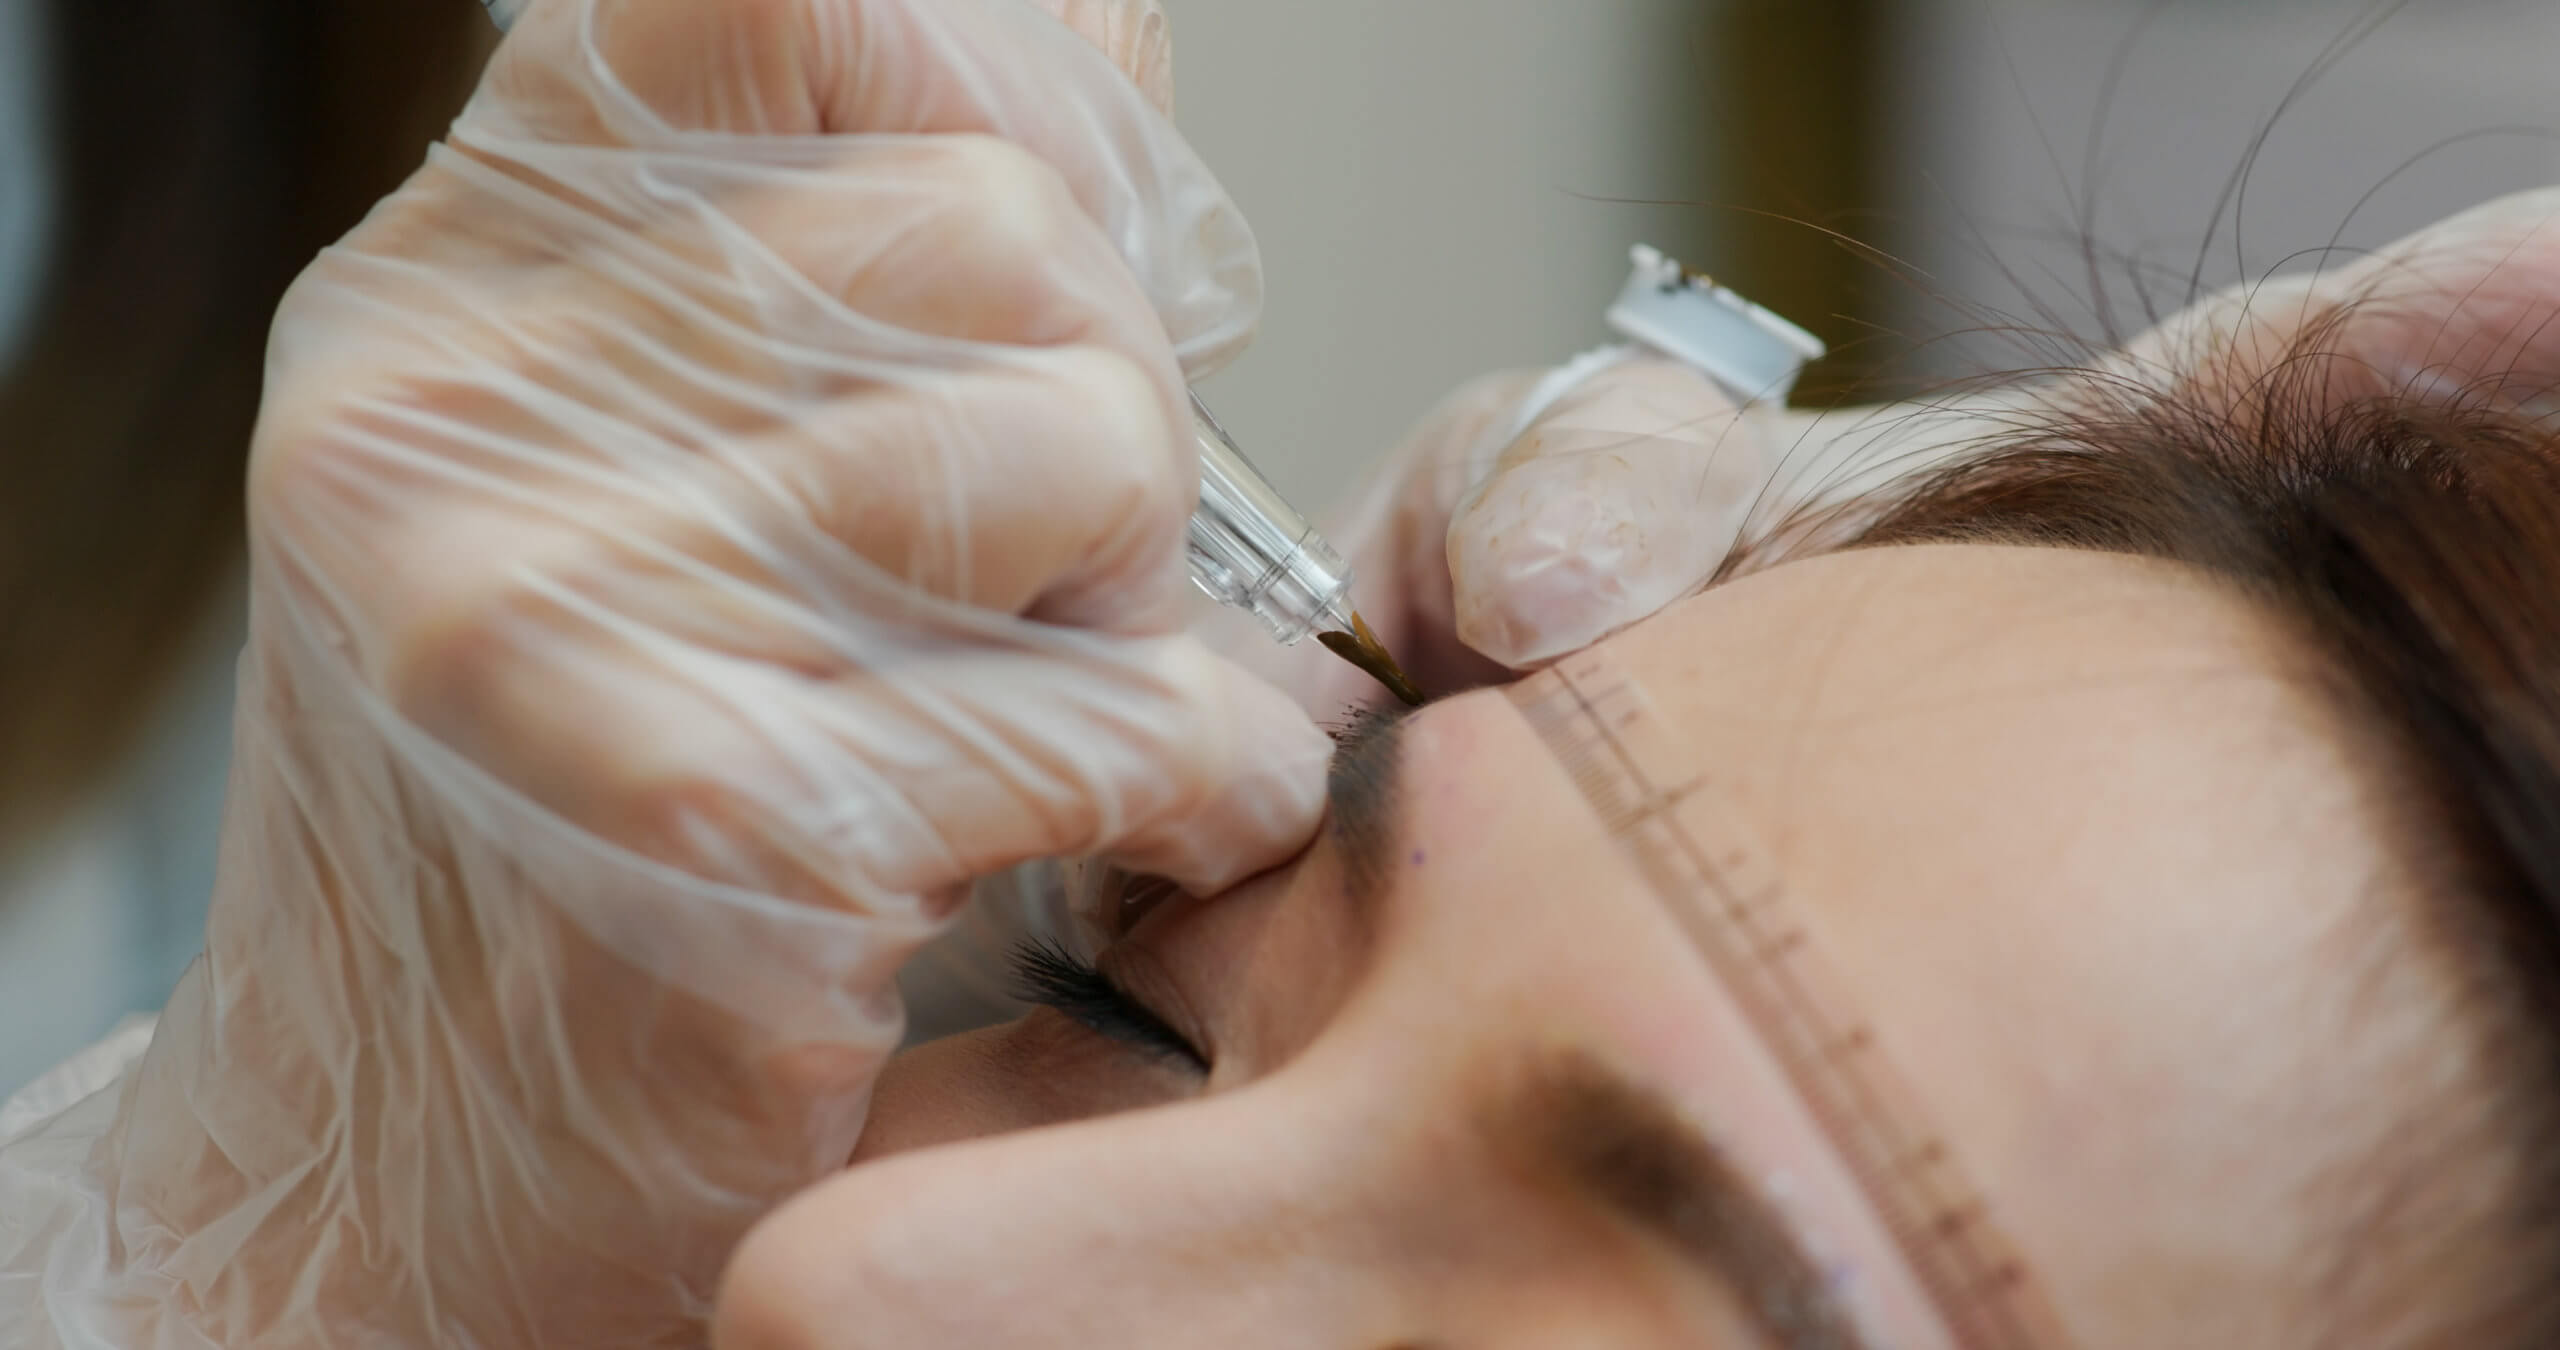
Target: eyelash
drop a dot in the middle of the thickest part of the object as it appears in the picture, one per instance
(1053, 977)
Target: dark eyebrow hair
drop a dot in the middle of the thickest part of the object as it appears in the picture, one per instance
(1616, 1141)
(1362, 787)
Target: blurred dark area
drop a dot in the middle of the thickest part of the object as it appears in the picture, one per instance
(1945, 187)
(1801, 93)
(203, 151)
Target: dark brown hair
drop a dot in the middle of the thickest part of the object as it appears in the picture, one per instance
(204, 150)
(2413, 544)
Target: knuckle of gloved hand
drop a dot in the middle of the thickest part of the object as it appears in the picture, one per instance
(1125, 471)
(704, 815)
(1232, 770)
(507, 680)
(1009, 225)
(288, 460)
(300, 439)
(417, 584)
(459, 636)
(658, 49)
(772, 21)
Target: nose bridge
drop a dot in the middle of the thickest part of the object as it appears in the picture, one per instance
(1349, 1201)
(1277, 1215)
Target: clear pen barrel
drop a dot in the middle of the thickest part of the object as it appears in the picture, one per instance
(1252, 550)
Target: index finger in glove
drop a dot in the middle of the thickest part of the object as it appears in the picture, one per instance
(1005, 435)
(1618, 497)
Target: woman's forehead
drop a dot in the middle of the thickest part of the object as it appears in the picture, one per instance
(2076, 829)
(2084, 836)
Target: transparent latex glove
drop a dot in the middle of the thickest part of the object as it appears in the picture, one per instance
(1533, 513)
(729, 499)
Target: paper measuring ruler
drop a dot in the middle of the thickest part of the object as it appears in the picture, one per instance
(1719, 881)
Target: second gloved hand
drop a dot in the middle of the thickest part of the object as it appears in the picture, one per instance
(1532, 513)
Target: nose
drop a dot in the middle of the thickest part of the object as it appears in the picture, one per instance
(1241, 1222)
(1222, 1222)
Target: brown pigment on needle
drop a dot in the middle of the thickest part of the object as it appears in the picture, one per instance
(1361, 648)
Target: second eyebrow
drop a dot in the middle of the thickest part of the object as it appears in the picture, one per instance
(1616, 1141)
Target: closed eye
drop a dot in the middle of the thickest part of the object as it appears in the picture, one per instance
(1053, 977)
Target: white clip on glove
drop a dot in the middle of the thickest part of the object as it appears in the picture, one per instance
(733, 496)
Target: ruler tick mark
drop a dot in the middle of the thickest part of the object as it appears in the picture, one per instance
(1729, 897)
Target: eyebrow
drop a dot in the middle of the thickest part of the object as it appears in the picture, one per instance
(1570, 1115)
(1618, 1143)
(1362, 788)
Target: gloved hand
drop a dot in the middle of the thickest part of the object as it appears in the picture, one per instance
(729, 499)
(1532, 513)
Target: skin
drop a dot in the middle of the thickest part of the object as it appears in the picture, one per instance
(553, 1020)
(2012, 789)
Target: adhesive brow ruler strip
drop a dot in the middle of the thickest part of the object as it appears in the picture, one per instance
(1721, 884)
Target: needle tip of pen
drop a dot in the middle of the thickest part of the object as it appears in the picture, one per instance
(1361, 648)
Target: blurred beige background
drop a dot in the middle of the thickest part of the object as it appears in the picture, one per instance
(1423, 176)
(1433, 180)
(2422, 108)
